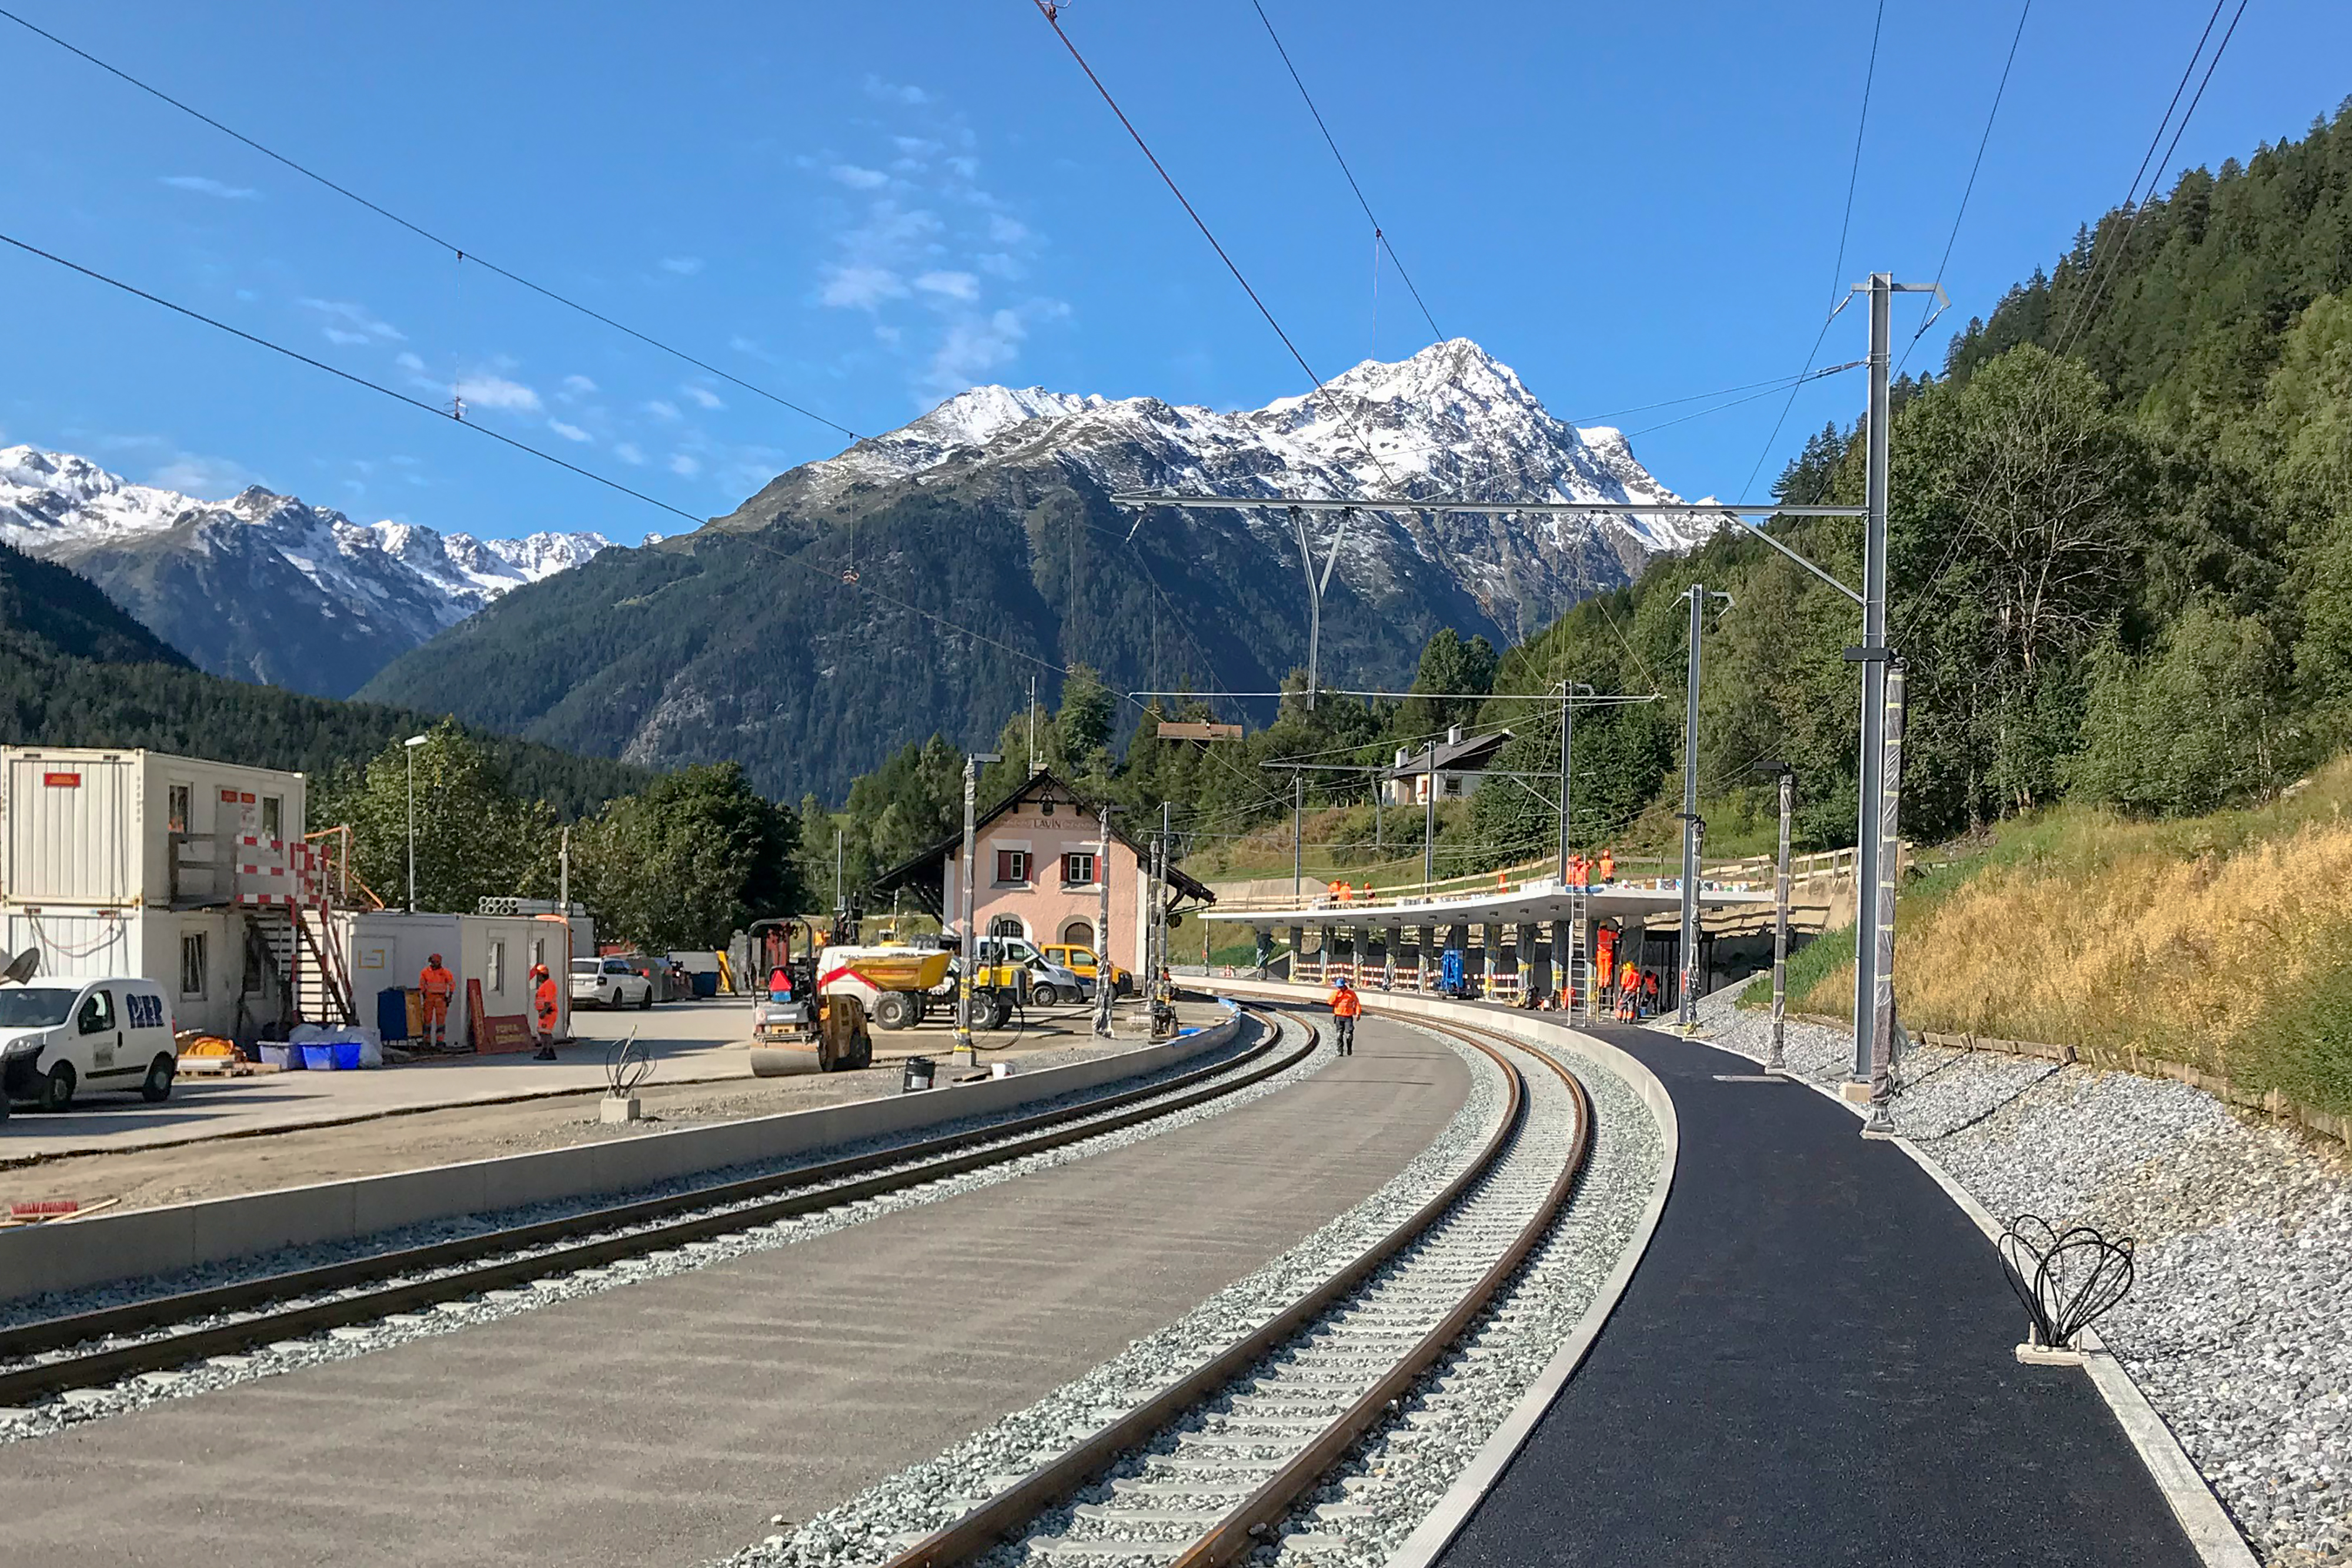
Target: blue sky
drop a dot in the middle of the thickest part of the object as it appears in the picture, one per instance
(865, 208)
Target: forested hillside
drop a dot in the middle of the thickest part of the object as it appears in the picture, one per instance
(76, 670)
(2120, 572)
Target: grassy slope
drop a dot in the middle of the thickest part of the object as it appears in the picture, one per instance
(2224, 941)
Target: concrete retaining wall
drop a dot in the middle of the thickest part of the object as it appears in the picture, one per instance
(69, 1255)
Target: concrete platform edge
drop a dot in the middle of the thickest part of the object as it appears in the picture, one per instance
(1453, 1510)
(75, 1254)
(2202, 1516)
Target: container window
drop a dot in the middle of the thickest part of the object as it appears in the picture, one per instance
(273, 814)
(194, 964)
(498, 966)
(182, 795)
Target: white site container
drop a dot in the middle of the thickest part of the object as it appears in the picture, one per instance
(131, 862)
(499, 949)
(390, 948)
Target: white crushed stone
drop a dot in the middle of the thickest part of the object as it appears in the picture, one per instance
(1401, 1467)
(2239, 1326)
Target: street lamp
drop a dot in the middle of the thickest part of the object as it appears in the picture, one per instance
(408, 747)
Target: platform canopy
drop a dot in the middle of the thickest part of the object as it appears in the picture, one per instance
(1539, 899)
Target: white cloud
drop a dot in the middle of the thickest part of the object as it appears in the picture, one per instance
(703, 396)
(684, 265)
(347, 323)
(408, 361)
(205, 185)
(497, 392)
(568, 431)
(916, 146)
(861, 288)
(1006, 230)
(578, 386)
(683, 466)
(893, 92)
(206, 478)
(999, 264)
(629, 452)
(965, 166)
(973, 348)
(665, 412)
(961, 286)
(860, 179)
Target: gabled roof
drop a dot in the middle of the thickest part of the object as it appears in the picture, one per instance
(1469, 755)
(927, 865)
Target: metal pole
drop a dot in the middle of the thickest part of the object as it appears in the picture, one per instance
(1882, 1009)
(1773, 1060)
(410, 752)
(1167, 864)
(1688, 1013)
(1874, 686)
(1429, 821)
(1104, 986)
(1313, 606)
(971, 937)
(564, 877)
(1567, 746)
(836, 869)
(1297, 819)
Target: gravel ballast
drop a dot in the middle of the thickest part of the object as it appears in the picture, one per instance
(1382, 1489)
(2239, 1326)
(78, 1406)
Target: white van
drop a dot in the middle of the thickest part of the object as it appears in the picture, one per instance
(60, 1037)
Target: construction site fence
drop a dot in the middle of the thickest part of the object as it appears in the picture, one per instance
(1825, 865)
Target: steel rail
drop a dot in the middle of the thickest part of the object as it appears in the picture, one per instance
(1244, 1529)
(804, 1189)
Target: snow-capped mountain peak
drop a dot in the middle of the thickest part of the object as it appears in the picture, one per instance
(391, 585)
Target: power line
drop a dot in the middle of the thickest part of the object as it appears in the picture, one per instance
(1379, 237)
(1050, 10)
(2099, 283)
(1837, 271)
(1928, 318)
(1735, 403)
(429, 235)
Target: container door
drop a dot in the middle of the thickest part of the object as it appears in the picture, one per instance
(73, 831)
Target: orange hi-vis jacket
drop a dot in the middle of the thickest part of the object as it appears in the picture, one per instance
(1346, 1003)
(437, 984)
(545, 998)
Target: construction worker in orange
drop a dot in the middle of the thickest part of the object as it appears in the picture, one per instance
(439, 986)
(1608, 866)
(1628, 988)
(1346, 1007)
(543, 1011)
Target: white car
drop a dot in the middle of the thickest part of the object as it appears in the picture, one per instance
(609, 983)
(60, 1037)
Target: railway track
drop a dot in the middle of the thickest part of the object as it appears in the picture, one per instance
(93, 1349)
(1232, 1449)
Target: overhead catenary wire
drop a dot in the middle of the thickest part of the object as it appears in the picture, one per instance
(2096, 288)
(429, 235)
(1050, 10)
(1928, 314)
(1379, 235)
(1845, 225)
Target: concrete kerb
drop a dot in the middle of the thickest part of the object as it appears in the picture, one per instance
(1451, 1510)
(74, 1254)
(2200, 1514)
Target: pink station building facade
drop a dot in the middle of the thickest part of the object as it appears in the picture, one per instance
(1041, 860)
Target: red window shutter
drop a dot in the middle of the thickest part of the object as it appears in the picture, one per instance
(1004, 865)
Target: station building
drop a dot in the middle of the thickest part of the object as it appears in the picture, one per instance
(1041, 854)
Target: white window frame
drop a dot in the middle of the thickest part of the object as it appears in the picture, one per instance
(497, 978)
(194, 945)
(273, 816)
(184, 796)
(1093, 868)
(1024, 868)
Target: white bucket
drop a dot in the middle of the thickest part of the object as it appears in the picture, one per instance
(1000, 1070)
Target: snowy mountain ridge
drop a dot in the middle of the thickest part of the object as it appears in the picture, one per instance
(193, 569)
(1450, 421)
